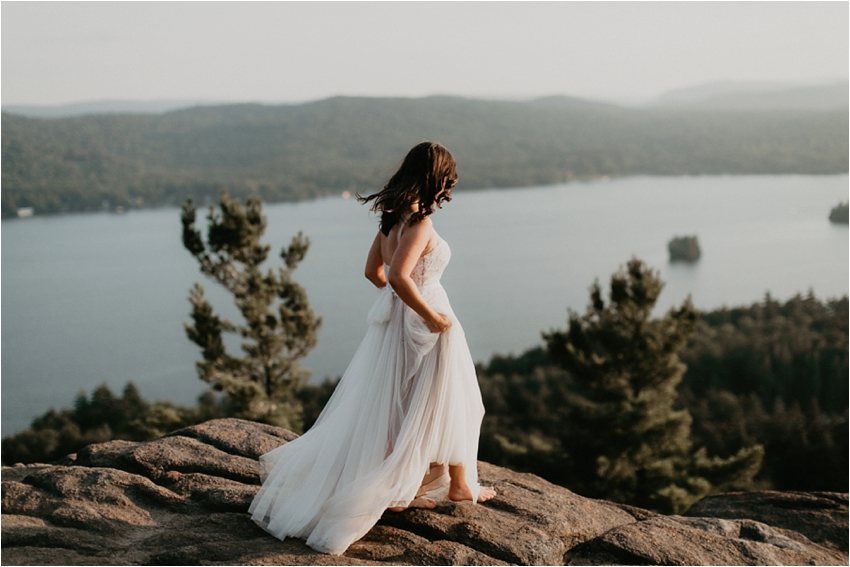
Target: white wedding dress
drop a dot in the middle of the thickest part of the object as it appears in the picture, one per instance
(409, 398)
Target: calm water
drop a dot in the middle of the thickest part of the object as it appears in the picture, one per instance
(88, 299)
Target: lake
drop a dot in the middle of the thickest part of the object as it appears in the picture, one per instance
(95, 298)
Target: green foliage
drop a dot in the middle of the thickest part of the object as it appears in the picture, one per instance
(525, 414)
(291, 152)
(804, 450)
(101, 418)
(313, 398)
(104, 417)
(794, 352)
(776, 374)
(279, 326)
(279, 329)
(626, 442)
(755, 377)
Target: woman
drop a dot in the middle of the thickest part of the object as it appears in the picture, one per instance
(402, 425)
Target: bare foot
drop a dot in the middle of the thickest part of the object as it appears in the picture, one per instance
(418, 502)
(485, 493)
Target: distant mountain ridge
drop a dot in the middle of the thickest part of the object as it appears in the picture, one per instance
(102, 107)
(727, 95)
(91, 108)
(302, 151)
(758, 96)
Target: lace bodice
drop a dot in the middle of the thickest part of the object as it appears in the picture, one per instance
(430, 266)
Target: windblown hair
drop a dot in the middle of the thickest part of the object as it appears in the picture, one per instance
(427, 169)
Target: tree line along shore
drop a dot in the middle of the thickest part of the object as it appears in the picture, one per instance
(304, 151)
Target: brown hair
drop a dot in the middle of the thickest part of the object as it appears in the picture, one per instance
(427, 169)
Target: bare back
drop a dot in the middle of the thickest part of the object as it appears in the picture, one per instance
(390, 242)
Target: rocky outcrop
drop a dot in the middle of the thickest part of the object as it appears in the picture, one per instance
(820, 516)
(182, 499)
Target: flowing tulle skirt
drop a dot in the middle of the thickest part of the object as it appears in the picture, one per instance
(409, 398)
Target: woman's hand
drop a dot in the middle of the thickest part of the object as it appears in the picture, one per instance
(438, 324)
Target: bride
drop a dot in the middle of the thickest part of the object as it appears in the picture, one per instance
(401, 428)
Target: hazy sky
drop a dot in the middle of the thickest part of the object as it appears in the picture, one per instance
(63, 52)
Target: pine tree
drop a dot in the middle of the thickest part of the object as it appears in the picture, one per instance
(279, 326)
(624, 439)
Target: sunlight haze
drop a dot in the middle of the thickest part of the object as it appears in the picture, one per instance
(273, 52)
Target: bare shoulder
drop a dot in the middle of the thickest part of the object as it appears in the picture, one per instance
(422, 235)
(422, 228)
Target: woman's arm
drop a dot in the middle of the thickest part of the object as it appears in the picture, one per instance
(375, 263)
(413, 243)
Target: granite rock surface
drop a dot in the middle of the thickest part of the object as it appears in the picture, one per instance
(182, 500)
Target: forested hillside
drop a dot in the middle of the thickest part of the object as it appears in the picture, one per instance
(289, 152)
(772, 374)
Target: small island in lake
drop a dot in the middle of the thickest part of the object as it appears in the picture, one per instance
(684, 249)
(839, 214)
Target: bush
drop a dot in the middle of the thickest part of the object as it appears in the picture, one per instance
(101, 418)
